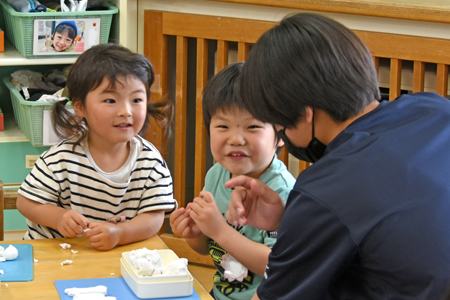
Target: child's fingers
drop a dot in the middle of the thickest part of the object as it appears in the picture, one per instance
(72, 229)
(198, 203)
(206, 196)
(183, 224)
(176, 214)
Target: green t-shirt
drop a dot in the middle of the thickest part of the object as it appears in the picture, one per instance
(278, 178)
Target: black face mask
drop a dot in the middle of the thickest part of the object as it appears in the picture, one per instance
(311, 154)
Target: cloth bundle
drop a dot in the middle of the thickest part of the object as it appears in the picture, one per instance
(37, 87)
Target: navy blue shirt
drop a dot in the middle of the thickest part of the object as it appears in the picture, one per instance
(371, 219)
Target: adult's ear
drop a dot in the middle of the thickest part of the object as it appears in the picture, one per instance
(309, 114)
(280, 143)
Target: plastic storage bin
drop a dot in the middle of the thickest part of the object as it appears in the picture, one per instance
(29, 115)
(20, 26)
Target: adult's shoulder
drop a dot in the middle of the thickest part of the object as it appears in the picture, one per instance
(424, 99)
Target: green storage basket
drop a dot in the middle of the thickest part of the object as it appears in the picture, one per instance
(29, 115)
(20, 26)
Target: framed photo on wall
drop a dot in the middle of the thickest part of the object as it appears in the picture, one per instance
(65, 36)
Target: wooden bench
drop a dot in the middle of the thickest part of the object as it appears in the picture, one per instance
(171, 39)
(8, 198)
(186, 50)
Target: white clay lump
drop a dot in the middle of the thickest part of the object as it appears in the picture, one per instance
(10, 253)
(149, 263)
(65, 246)
(67, 262)
(177, 267)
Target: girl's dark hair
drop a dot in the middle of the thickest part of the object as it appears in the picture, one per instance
(108, 61)
(308, 60)
(71, 32)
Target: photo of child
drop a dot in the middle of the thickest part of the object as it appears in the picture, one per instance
(63, 38)
(53, 37)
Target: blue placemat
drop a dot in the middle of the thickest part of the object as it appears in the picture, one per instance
(117, 287)
(20, 269)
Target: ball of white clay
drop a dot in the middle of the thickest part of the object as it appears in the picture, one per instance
(177, 267)
(10, 253)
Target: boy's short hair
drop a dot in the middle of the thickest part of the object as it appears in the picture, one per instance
(308, 60)
(221, 93)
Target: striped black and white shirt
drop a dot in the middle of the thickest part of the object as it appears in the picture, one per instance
(67, 178)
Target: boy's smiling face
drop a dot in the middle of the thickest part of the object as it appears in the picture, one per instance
(242, 144)
(62, 41)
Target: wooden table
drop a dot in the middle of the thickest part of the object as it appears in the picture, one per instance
(87, 263)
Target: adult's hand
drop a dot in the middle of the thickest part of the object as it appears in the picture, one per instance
(254, 203)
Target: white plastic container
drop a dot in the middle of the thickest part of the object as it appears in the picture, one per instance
(167, 257)
(160, 286)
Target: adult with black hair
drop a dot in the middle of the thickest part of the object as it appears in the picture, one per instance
(370, 218)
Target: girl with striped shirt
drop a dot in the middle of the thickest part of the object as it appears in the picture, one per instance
(105, 170)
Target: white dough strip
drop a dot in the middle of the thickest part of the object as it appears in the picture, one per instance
(89, 290)
(93, 296)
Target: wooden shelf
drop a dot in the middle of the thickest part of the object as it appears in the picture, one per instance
(12, 57)
(12, 132)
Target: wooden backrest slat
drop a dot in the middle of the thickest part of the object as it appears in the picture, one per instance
(302, 165)
(376, 62)
(200, 128)
(243, 50)
(284, 156)
(155, 49)
(413, 48)
(395, 78)
(180, 119)
(419, 76)
(214, 28)
(442, 79)
(222, 54)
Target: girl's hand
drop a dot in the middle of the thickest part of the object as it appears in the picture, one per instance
(71, 223)
(182, 224)
(206, 214)
(103, 235)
